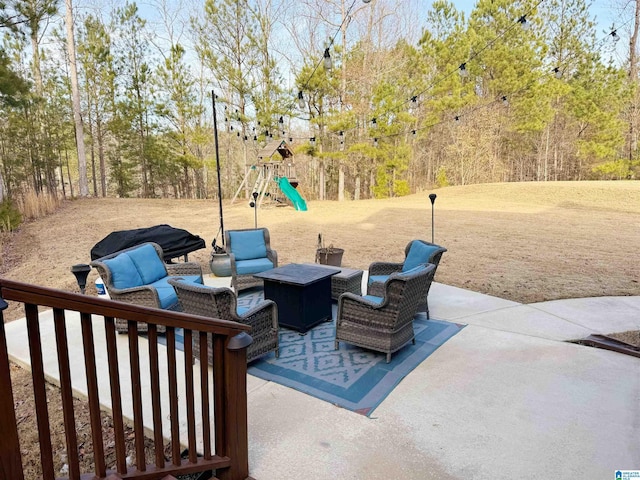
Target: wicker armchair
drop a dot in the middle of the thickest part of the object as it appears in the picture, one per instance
(384, 324)
(221, 303)
(249, 252)
(417, 252)
(138, 275)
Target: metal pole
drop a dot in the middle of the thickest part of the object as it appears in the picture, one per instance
(432, 197)
(215, 136)
(254, 204)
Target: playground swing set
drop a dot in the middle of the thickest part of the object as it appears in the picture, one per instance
(273, 177)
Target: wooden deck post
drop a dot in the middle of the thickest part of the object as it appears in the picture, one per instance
(236, 437)
(10, 457)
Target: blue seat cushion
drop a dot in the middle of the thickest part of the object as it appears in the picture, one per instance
(247, 267)
(167, 294)
(419, 253)
(373, 298)
(248, 245)
(242, 310)
(150, 266)
(124, 273)
(377, 279)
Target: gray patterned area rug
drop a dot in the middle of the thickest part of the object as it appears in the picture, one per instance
(351, 377)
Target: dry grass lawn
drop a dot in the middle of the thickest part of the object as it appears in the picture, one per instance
(527, 242)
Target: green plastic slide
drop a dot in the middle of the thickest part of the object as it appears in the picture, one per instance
(292, 194)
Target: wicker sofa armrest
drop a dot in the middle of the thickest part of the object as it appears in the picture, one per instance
(272, 255)
(183, 268)
(384, 268)
(144, 295)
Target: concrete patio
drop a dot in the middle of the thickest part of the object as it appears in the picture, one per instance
(506, 397)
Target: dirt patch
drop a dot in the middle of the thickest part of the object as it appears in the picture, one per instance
(631, 337)
(28, 431)
(526, 242)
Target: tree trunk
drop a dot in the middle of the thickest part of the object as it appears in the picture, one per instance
(633, 79)
(321, 181)
(77, 117)
(103, 167)
(341, 182)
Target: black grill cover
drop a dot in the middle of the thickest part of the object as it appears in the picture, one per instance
(175, 242)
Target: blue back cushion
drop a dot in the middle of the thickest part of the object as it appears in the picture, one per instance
(248, 245)
(419, 253)
(124, 273)
(149, 265)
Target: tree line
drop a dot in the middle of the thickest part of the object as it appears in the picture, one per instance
(378, 99)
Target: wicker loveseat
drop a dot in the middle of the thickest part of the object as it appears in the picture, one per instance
(384, 324)
(138, 275)
(222, 303)
(417, 252)
(249, 253)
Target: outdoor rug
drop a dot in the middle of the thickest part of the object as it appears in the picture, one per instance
(351, 377)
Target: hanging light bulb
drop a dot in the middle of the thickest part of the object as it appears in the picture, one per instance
(457, 118)
(328, 64)
(615, 36)
(523, 23)
(238, 134)
(463, 70)
(374, 122)
(414, 100)
(300, 100)
(281, 121)
(414, 133)
(375, 142)
(231, 128)
(245, 138)
(505, 101)
(290, 139)
(312, 141)
(557, 72)
(255, 138)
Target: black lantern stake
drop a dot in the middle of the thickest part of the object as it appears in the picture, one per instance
(254, 205)
(432, 197)
(81, 272)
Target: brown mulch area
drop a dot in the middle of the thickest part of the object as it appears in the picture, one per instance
(524, 242)
(28, 430)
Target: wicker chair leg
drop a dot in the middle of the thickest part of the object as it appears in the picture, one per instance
(336, 345)
(388, 357)
(277, 352)
(413, 340)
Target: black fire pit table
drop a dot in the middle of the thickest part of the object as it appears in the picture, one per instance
(302, 293)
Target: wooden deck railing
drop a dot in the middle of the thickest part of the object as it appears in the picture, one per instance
(226, 453)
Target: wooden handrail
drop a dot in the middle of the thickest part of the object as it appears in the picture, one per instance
(228, 457)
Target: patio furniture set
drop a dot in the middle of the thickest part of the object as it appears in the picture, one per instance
(297, 296)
